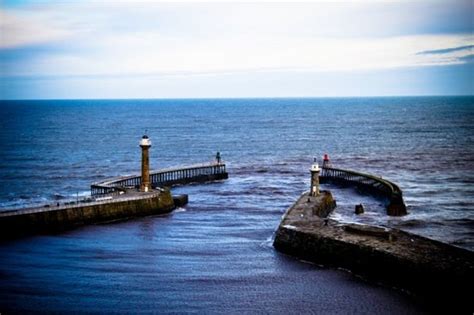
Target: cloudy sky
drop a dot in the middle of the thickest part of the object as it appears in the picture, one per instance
(151, 49)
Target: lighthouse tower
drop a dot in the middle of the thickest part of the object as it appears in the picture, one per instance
(145, 144)
(314, 190)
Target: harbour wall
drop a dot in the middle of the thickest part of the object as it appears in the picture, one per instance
(55, 219)
(436, 273)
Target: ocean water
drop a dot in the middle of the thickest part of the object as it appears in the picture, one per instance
(215, 255)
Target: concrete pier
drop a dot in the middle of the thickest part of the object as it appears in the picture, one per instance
(57, 218)
(439, 274)
(117, 198)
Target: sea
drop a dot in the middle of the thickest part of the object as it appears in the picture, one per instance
(215, 255)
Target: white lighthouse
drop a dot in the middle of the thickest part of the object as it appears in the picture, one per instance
(145, 144)
(314, 189)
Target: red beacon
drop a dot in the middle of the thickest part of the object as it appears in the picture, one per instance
(326, 162)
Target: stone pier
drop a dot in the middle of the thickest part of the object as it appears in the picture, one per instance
(439, 274)
(53, 218)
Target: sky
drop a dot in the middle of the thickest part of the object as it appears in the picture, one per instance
(150, 49)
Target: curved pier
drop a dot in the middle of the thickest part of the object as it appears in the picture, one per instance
(437, 273)
(163, 178)
(368, 182)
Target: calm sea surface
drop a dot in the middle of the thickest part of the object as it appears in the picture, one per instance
(215, 255)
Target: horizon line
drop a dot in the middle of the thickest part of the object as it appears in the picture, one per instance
(235, 97)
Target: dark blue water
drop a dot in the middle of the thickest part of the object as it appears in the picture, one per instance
(215, 256)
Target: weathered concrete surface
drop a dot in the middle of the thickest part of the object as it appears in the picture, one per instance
(310, 206)
(54, 219)
(439, 274)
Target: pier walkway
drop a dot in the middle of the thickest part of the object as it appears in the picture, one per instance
(371, 183)
(164, 177)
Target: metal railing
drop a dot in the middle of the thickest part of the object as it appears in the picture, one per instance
(164, 177)
(84, 202)
(369, 182)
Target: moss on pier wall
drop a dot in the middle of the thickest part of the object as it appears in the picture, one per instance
(60, 219)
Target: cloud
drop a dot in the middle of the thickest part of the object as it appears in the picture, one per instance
(125, 41)
(467, 58)
(445, 50)
(25, 28)
(154, 54)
